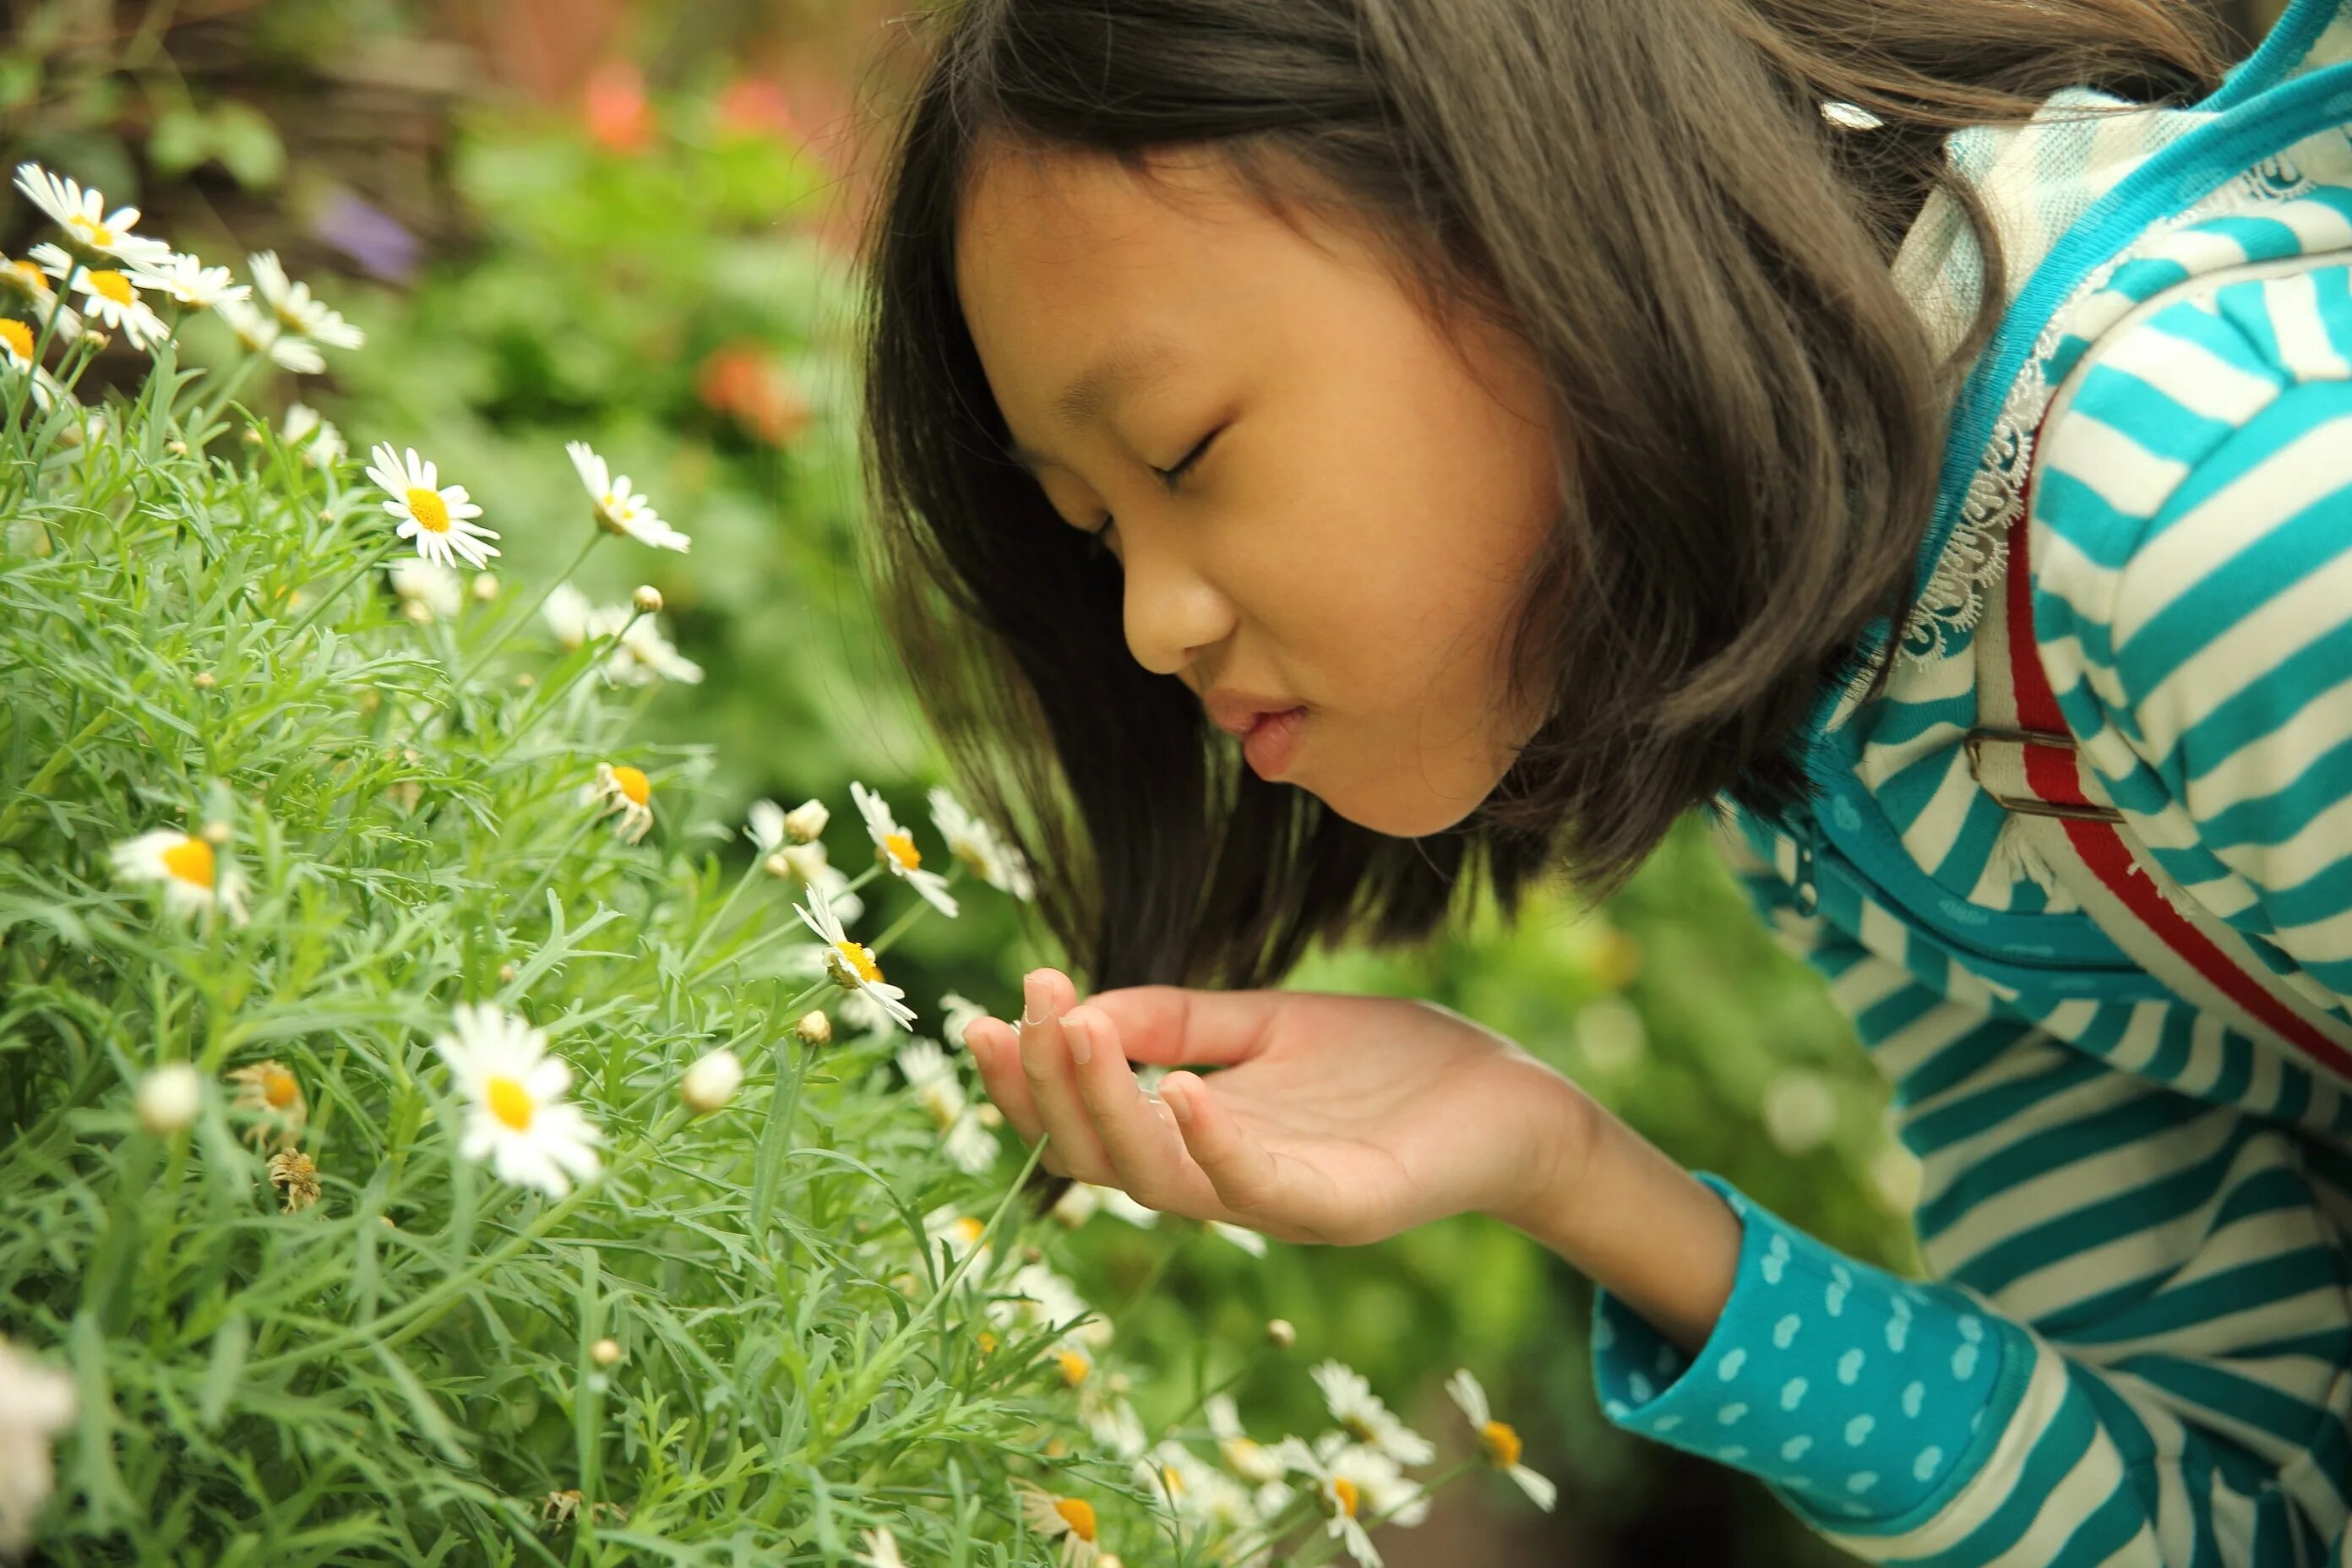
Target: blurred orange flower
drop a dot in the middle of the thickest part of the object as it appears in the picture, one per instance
(619, 116)
(742, 383)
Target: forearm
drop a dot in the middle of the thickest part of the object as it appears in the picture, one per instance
(1635, 1222)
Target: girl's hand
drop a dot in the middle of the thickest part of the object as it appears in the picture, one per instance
(1333, 1117)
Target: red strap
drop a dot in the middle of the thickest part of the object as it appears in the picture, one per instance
(2050, 771)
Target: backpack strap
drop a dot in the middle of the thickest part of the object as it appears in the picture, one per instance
(2027, 759)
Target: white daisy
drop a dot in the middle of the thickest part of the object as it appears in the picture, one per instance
(326, 447)
(618, 507)
(518, 1119)
(938, 1087)
(36, 1402)
(765, 825)
(430, 586)
(292, 304)
(1252, 1460)
(979, 846)
(626, 790)
(195, 879)
(568, 614)
(16, 345)
(81, 214)
(30, 286)
(960, 1231)
(1341, 1497)
(1036, 1297)
(261, 335)
(108, 296)
(440, 519)
(1069, 1519)
(190, 282)
(645, 657)
(958, 1014)
(881, 1549)
(1355, 1406)
(850, 964)
(1496, 1439)
(810, 864)
(1110, 1419)
(1241, 1235)
(1194, 1490)
(894, 847)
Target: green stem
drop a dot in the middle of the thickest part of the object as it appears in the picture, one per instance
(367, 565)
(40, 783)
(500, 641)
(544, 703)
(716, 920)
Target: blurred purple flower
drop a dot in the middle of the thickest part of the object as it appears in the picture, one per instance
(379, 242)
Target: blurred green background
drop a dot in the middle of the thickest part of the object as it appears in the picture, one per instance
(633, 223)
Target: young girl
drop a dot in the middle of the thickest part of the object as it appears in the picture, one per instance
(1922, 430)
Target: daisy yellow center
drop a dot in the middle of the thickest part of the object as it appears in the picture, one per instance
(986, 1341)
(900, 848)
(19, 337)
(632, 784)
(1502, 1443)
(1174, 1482)
(111, 285)
(1079, 1515)
(969, 1228)
(93, 232)
(431, 513)
(278, 1088)
(860, 961)
(1345, 1490)
(29, 277)
(191, 860)
(1073, 1365)
(509, 1102)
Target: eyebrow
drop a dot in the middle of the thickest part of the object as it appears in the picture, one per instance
(1093, 394)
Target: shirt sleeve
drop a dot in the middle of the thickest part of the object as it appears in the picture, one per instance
(2139, 1350)
(2193, 600)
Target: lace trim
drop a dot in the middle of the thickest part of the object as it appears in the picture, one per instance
(1953, 600)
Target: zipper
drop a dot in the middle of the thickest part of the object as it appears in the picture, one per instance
(2070, 968)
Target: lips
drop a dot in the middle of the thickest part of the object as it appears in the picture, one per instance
(1272, 742)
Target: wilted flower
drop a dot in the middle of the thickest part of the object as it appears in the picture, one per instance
(626, 790)
(327, 446)
(169, 1098)
(894, 847)
(1499, 1441)
(261, 335)
(618, 508)
(979, 846)
(1356, 1407)
(292, 303)
(429, 585)
(1068, 1519)
(294, 1174)
(270, 1094)
(853, 968)
(518, 1118)
(80, 212)
(195, 880)
(36, 1405)
(440, 519)
(711, 1081)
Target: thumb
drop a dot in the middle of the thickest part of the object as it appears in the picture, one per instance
(1244, 1174)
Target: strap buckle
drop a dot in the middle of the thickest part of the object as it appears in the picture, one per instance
(2033, 806)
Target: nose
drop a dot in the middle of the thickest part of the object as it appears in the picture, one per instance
(1171, 608)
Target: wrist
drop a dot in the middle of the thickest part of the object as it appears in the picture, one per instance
(1623, 1212)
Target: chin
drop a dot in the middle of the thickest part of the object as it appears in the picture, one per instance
(1384, 813)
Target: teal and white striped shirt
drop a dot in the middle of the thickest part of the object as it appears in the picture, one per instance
(2138, 1347)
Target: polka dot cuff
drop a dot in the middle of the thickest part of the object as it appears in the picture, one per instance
(1857, 1392)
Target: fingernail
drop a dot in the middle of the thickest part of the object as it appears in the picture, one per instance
(1073, 1029)
(1032, 998)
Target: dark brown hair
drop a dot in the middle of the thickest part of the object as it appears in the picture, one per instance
(1644, 191)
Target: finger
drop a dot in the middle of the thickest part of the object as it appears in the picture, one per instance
(1046, 1062)
(1139, 1134)
(1244, 1174)
(1170, 1024)
(996, 1050)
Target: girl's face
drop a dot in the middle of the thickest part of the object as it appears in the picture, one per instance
(1318, 496)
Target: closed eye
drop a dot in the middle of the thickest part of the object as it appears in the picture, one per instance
(1096, 546)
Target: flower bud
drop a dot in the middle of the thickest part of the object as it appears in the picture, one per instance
(389, 1223)
(486, 587)
(168, 1099)
(96, 339)
(604, 1352)
(1280, 1334)
(177, 448)
(711, 1082)
(778, 867)
(802, 861)
(815, 1028)
(506, 974)
(989, 1117)
(202, 680)
(805, 821)
(647, 599)
(418, 611)
(252, 437)
(216, 834)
